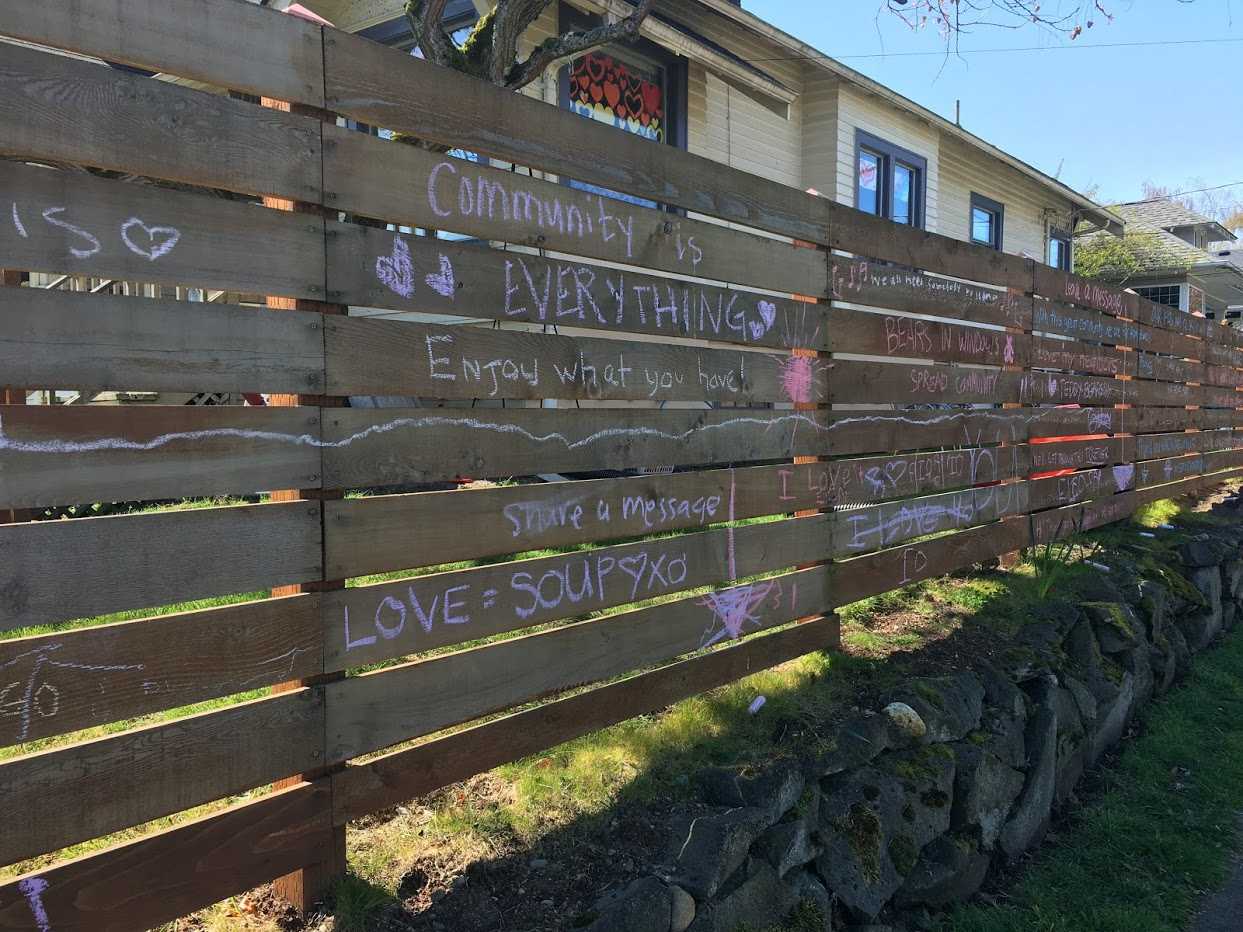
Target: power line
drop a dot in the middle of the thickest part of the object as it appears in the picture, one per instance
(1028, 48)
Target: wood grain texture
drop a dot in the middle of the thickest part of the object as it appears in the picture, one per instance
(171, 873)
(65, 110)
(62, 682)
(368, 624)
(404, 184)
(428, 528)
(875, 478)
(375, 710)
(217, 42)
(69, 454)
(73, 224)
(854, 382)
(891, 335)
(386, 446)
(365, 788)
(370, 267)
(60, 797)
(399, 358)
(111, 342)
(1088, 358)
(135, 561)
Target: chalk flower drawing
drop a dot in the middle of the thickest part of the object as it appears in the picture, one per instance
(396, 270)
(163, 239)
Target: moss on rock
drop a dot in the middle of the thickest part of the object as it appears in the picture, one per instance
(861, 829)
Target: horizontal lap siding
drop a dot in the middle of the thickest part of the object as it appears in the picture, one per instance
(820, 140)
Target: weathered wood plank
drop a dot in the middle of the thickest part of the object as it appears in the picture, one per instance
(1082, 486)
(376, 710)
(370, 267)
(1223, 375)
(1058, 285)
(248, 48)
(53, 684)
(70, 794)
(365, 788)
(66, 110)
(397, 358)
(1158, 472)
(386, 446)
(135, 561)
(1079, 454)
(1167, 368)
(79, 225)
(373, 534)
(1158, 446)
(69, 454)
(855, 382)
(873, 478)
(110, 342)
(368, 624)
(1147, 393)
(890, 335)
(1071, 356)
(404, 184)
(168, 874)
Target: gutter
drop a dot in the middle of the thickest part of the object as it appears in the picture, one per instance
(1106, 219)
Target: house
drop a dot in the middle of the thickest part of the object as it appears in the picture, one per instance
(714, 78)
(1172, 255)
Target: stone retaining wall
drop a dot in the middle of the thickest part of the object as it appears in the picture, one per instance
(908, 808)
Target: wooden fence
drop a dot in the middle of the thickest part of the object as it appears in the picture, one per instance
(653, 306)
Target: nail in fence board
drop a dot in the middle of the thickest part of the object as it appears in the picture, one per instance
(135, 561)
(386, 446)
(364, 788)
(376, 710)
(173, 872)
(369, 267)
(214, 41)
(368, 624)
(71, 794)
(80, 225)
(113, 342)
(68, 454)
(66, 110)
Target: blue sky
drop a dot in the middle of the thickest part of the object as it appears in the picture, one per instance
(1156, 111)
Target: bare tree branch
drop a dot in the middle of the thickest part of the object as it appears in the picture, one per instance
(513, 17)
(953, 18)
(426, 19)
(573, 43)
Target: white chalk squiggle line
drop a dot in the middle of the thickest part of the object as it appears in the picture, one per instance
(120, 443)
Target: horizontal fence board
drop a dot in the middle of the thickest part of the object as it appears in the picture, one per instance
(79, 225)
(61, 109)
(393, 778)
(404, 184)
(1152, 394)
(70, 794)
(376, 710)
(890, 335)
(1167, 368)
(389, 532)
(1157, 446)
(1084, 485)
(368, 624)
(370, 267)
(1057, 523)
(1079, 454)
(1072, 356)
(873, 478)
(384, 357)
(1058, 285)
(171, 873)
(63, 682)
(854, 382)
(218, 42)
(135, 561)
(70, 454)
(1170, 469)
(113, 342)
(1221, 375)
(1050, 317)
(367, 447)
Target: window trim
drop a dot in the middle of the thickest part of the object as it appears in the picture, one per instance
(1057, 233)
(891, 154)
(997, 209)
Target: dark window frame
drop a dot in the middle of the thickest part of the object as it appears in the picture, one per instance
(997, 209)
(891, 155)
(1056, 234)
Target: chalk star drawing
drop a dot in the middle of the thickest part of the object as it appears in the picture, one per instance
(733, 608)
(36, 696)
(396, 270)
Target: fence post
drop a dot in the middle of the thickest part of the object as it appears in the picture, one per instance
(13, 396)
(310, 885)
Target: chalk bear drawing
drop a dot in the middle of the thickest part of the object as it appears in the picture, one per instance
(1009, 351)
(396, 270)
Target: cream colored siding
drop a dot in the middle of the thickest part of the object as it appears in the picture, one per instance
(1029, 207)
(819, 108)
(857, 110)
(729, 126)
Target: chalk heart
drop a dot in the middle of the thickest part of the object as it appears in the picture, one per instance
(768, 316)
(1123, 476)
(443, 282)
(148, 242)
(396, 270)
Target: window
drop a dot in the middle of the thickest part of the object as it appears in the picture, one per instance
(1059, 249)
(1169, 295)
(890, 181)
(986, 221)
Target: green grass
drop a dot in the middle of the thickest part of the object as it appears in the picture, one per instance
(1161, 831)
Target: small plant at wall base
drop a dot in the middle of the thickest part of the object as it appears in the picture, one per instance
(1059, 558)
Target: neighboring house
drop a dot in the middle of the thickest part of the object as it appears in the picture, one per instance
(715, 79)
(1175, 256)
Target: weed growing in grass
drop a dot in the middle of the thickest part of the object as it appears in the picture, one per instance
(355, 902)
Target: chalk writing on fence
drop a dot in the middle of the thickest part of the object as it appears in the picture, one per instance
(733, 609)
(32, 693)
(32, 888)
(143, 239)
